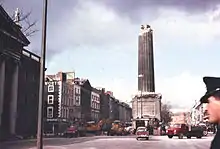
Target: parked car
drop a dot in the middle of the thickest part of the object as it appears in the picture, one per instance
(75, 131)
(142, 132)
(71, 131)
(182, 130)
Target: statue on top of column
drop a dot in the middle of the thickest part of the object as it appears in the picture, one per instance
(145, 28)
(17, 17)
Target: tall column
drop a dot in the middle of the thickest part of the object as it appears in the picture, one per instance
(14, 97)
(2, 84)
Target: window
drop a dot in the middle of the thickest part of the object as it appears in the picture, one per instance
(49, 112)
(50, 88)
(50, 99)
(77, 99)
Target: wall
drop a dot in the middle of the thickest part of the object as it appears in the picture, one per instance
(28, 95)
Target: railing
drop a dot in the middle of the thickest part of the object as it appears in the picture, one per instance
(31, 55)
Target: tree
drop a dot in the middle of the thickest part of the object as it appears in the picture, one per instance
(28, 27)
(166, 114)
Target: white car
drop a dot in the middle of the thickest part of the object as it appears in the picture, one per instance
(142, 132)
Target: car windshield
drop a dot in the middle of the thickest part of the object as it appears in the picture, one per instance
(141, 129)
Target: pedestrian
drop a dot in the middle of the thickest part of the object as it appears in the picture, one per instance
(212, 98)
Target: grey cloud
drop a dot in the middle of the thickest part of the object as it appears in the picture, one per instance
(56, 9)
(134, 9)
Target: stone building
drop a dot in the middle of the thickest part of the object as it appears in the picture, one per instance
(19, 81)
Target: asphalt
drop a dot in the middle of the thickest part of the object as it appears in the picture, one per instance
(105, 142)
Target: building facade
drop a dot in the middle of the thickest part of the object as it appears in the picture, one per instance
(146, 60)
(77, 102)
(199, 113)
(19, 81)
(95, 105)
(113, 108)
(85, 96)
(125, 112)
(104, 104)
(28, 94)
(179, 118)
(58, 103)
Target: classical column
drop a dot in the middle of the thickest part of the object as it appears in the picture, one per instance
(14, 97)
(2, 84)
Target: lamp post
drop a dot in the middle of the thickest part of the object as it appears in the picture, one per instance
(42, 75)
(141, 76)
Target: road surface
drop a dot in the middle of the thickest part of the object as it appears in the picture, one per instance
(102, 142)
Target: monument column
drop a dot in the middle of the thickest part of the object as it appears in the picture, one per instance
(14, 97)
(2, 84)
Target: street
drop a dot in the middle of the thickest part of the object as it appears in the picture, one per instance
(104, 142)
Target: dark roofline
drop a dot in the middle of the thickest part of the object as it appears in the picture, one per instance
(96, 90)
(24, 41)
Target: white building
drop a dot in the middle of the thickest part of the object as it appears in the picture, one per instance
(198, 113)
(95, 105)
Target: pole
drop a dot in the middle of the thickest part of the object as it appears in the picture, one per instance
(42, 75)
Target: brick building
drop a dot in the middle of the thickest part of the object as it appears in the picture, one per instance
(85, 96)
(104, 104)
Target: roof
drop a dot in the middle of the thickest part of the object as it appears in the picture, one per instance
(96, 90)
(50, 77)
(80, 81)
(15, 32)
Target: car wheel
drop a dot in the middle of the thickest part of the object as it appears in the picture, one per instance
(205, 133)
(137, 138)
(169, 136)
(188, 137)
(180, 136)
(147, 138)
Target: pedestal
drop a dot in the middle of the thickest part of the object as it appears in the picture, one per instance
(147, 105)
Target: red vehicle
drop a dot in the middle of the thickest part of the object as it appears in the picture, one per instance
(71, 132)
(142, 132)
(75, 131)
(182, 130)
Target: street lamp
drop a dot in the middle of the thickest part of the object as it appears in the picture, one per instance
(141, 76)
(42, 75)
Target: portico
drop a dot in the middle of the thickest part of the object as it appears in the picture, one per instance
(8, 96)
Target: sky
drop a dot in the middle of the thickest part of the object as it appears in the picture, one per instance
(98, 39)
